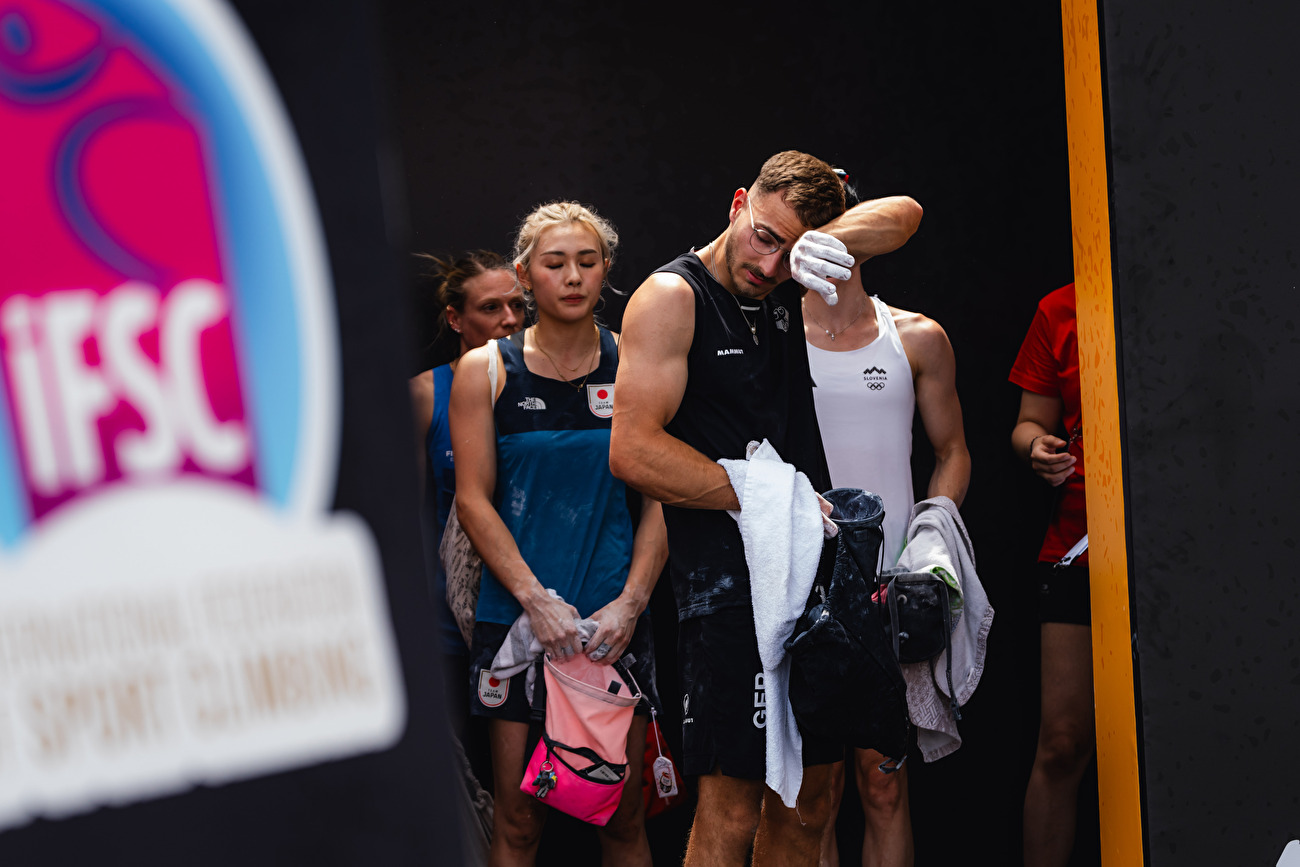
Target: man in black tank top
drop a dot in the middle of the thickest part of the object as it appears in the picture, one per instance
(712, 357)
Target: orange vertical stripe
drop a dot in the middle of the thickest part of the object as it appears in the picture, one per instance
(1112, 659)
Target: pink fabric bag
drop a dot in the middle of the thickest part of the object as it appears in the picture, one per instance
(580, 764)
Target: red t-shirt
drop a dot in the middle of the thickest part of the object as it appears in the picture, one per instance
(1048, 364)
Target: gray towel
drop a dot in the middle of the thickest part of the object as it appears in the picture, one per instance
(936, 536)
(521, 647)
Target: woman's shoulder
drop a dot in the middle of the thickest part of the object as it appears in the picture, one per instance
(477, 364)
(422, 397)
(422, 385)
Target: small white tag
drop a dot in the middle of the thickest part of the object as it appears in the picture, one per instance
(665, 778)
(603, 772)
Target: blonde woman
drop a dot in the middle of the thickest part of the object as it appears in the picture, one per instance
(536, 498)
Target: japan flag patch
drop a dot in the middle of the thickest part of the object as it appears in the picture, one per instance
(492, 691)
(600, 399)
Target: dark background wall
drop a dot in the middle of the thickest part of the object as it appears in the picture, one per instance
(1203, 186)
(656, 115)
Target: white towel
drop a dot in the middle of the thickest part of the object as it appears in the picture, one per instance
(780, 522)
(936, 536)
(521, 647)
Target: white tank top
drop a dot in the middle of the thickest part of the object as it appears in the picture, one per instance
(865, 402)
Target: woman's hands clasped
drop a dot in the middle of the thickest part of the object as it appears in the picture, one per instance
(555, 625)
(616, 623)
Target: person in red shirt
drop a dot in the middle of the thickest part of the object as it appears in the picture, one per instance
(1049, 436)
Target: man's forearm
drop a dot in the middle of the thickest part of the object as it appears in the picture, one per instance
(951, 476)
(668, 470)
(876, 227)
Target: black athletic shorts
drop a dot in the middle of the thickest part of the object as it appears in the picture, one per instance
(724, 704)
(1063, 595)
(507, 699)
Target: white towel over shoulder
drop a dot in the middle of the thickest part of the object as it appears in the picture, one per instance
(780, 522)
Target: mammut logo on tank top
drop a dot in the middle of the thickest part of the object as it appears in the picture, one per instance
(782, 318)
(722, 352)
(532, 403)
(875, 378)
(760, 702)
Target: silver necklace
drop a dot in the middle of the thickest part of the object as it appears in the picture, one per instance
(831, 334)
(753, 325)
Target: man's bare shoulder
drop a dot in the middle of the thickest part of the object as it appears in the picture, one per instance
(663, 289)
(661, 311)
(918, 331)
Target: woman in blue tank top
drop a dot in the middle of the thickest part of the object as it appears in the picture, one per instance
(479, 300)
(530, 421)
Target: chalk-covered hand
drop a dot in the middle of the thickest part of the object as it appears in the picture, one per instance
(555, 624)
(816, 259)
(617, 622)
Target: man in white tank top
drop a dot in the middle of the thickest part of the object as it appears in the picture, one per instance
(872, 366)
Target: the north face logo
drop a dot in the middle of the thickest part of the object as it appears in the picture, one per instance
(532, 403)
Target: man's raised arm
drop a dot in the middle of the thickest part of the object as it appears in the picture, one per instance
(658, 328)
(876, 227)
(869, 229)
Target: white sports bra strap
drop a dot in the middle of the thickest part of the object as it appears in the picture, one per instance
(493, 353)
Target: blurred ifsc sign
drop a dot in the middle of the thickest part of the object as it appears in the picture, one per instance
(177, 604)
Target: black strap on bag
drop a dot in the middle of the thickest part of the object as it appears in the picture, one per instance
(918, 619)
(536, 711)
(599, 771)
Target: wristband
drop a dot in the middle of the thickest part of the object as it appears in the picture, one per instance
(1029, 456)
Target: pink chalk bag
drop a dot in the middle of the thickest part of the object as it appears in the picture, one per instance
(580, 763)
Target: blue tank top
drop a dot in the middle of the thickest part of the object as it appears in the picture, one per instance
(554, 491)
(439, 489)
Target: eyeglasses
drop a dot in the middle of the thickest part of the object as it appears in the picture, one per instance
(762, 241)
